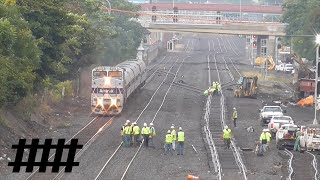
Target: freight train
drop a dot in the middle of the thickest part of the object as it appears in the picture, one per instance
(112, 85)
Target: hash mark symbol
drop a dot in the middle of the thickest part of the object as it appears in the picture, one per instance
(44, 162)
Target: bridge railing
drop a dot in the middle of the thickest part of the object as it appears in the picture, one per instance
(206, 17)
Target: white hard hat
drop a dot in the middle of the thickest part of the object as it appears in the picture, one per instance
(226, 127)
(169, 131)
(134, 123)
(128, 121)
(145, 124)
(265, 130)
(234, 108)
(180, 128)
(172, 127)
(151, 124)
(125, 124)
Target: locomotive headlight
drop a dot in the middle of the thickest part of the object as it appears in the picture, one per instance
(113, 102)
(100, 102)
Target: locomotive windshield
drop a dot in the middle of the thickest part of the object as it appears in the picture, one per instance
(115, 74)
(99, 74)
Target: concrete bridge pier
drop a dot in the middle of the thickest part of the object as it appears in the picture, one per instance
(271, 47)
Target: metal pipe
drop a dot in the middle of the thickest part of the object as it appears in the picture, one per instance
(316, 87)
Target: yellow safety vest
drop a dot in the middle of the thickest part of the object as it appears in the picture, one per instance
(227, 134)
(136, 130)
(219, 87)
(235, 114)
(168, 138)
(145, 131)
(263, 136)
(174, 135)
(127, 130)
(180, 136)
(268, 136)
(214, 86)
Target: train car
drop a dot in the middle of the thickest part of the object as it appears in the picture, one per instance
(112, 85)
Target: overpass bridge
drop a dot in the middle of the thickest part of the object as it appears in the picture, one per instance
(213, 18)
(261, 21)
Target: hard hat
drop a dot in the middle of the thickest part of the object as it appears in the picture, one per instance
(234, 108)
(144, 124)
(172, 127)
(180, 128)
(226, 127)
(264, 130)
(151, 124)
(169, 132)
(134, 123)
(128, 121)
(125, 124)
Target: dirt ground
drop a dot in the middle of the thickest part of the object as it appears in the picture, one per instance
(183, 108)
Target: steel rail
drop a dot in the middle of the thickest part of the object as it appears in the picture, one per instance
(290, 169)
(315, 166)
(50, 158)
(154, 117)
(85, 146)
(152, 75)
(235, 150)
(233, 49)
(118, 148)
(213, 150)
(137, 119)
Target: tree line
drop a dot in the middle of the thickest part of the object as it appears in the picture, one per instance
(46, 42)
(302, 18)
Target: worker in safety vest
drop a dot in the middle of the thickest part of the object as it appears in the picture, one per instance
(218, 88)
(168, 143)
(136, 134)
(180, 137)
(215, 87)
(145, 132)
(235, 117)
(269, 138)
(297, 142)
(264, 140)
(127, 134)
(152, 135)
(122, 132)
(227, 136)
(174, 137)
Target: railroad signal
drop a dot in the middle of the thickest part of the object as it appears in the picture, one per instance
(254, 37)
(254, 45)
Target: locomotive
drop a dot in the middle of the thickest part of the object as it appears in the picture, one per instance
(112, 85)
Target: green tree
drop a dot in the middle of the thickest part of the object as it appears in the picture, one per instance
(19, 55)
(303, 18)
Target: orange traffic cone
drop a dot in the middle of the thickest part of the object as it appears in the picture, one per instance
(190, 177)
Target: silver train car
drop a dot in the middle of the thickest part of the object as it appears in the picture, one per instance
(112, 85)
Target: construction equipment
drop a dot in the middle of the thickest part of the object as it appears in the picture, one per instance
(268, 61)
(246, 87)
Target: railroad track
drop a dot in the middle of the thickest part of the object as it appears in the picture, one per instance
(302, 166)
(230, 160)
(117, 165)
(85, 135)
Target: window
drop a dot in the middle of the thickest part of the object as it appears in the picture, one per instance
(107, 90)
(115, 74)
(99, 74)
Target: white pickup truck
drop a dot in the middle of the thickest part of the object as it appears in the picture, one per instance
(277, 121)
(267, 112)
(284, 67)
(286, 136)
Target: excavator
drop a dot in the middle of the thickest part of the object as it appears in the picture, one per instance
(246, 87)
(266, 60)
